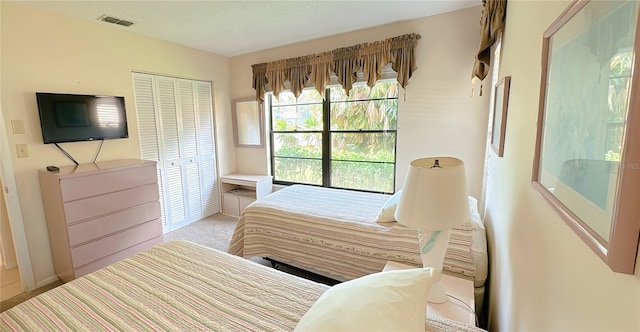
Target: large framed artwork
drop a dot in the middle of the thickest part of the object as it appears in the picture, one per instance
(587, 160)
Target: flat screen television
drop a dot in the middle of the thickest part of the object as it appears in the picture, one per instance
(74, 118)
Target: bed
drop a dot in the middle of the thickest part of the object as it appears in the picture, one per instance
(336, 233)
(179, 286)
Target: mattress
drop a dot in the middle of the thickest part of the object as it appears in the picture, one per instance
(178, 286)
(334, 232)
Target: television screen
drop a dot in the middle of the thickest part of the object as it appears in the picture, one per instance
(72, 118)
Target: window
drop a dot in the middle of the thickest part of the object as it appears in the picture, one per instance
(342, 141)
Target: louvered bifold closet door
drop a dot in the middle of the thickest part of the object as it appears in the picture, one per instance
(189, 134)
(172, 154)
(143, 88)
(177, 130)
(206, 141)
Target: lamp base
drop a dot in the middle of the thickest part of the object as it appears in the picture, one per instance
(438, 294)
(433, 248)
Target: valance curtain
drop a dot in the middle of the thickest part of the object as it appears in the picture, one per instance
(491, 25)
(345, 63)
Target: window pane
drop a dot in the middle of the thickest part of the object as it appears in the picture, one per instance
(362, 135)
(298, 170)
(307, 96)
(365, 115)
(363, 146)
(362, 175)
(304, 145)
(360, 91)
(303, 117)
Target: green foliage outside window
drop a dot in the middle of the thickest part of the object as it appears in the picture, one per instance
(362, 135)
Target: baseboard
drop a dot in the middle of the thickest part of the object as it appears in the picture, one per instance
(47, 281)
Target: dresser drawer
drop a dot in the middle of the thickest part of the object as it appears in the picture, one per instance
(111, 223)
(116, 257)
(97, 184)
(99, 205)
(92, 251)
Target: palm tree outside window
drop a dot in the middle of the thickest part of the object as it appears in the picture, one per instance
(342, 141)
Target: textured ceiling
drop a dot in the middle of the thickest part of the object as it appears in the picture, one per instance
(238, 27)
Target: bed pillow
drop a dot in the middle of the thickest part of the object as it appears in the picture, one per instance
(389, 208)
(384, 301)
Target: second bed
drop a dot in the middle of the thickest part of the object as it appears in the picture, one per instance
(335, 233)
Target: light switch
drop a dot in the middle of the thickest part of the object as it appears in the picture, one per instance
(17, 126)
(22, 151)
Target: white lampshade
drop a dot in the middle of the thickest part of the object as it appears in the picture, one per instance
(434, 196)
(434, 199)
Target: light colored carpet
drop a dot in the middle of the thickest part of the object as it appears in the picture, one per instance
(214, 231)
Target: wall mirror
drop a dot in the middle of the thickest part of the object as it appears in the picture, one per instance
(587, 161)
(247, 123)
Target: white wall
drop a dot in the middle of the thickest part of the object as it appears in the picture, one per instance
(439, 117)
(543, 277)
(44, 52)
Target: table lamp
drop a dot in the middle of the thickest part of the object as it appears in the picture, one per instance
(434, 199)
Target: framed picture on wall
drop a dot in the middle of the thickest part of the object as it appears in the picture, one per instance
(587, 161)
(500, 105)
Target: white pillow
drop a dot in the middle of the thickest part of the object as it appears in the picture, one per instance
(389, 208)
(384, 301)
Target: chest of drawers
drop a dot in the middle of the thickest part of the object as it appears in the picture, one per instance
(98, 214)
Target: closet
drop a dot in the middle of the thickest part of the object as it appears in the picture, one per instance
(175, 121)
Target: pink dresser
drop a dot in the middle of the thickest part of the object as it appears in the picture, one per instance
(98, 214)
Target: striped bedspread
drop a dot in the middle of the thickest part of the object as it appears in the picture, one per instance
(334, 233)
(178, 286)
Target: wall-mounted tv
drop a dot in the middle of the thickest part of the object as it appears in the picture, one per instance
(73, 118)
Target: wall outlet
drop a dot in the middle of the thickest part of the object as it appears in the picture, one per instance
(22, 151)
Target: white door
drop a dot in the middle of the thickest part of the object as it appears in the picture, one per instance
(176, 126)
(191, 156)
(206, 141)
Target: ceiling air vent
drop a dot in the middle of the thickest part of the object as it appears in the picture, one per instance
(111, 19)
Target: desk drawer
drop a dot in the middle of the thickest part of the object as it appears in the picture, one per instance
(105, 225)
(99, 205)
(106, 246)
(97, 184)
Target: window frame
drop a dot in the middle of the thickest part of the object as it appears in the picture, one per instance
(326, 151)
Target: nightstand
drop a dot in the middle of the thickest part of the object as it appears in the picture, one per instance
(461, 297)
(240, 190)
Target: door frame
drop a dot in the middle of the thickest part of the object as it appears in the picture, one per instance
(12, 202)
